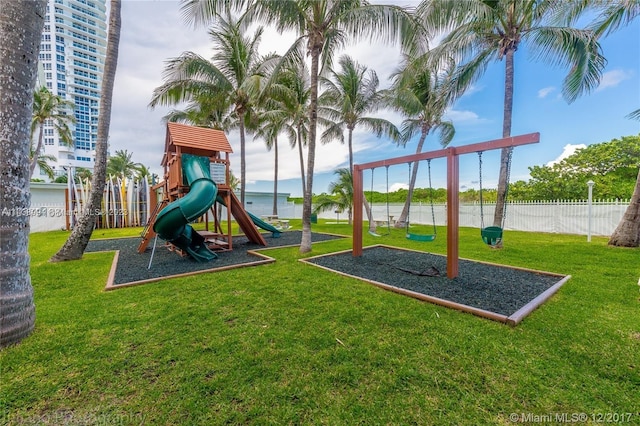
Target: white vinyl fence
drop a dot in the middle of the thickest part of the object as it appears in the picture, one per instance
(561, 217)
(48, 213)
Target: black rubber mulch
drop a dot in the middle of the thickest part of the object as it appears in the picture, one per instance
(497, 289)
(133, 266)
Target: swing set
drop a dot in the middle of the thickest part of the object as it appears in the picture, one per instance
(453, 190)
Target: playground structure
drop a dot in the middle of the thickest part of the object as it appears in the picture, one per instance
(196, 181)
(453, 188)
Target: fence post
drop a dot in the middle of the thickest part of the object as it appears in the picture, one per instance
(589, 203)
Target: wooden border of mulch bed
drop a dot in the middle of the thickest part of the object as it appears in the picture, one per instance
(512, 320)
(265, 260)
(111, 286)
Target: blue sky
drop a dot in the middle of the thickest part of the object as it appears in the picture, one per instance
(153, 32)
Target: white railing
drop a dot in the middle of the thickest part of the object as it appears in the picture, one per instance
(561, 216)
(48, 212)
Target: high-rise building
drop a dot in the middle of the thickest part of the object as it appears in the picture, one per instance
(72, 54)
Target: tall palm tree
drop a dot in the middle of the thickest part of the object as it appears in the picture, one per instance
(342, 195)
(483, 31)
(294, 80)
(422, 95)
(48, 107)
(77, 242)
(272, 122)
(121, 165)
(236, 73)
(324, 26)
(350, 94)
(21, 24)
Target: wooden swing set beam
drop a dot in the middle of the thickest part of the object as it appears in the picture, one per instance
(453, 188)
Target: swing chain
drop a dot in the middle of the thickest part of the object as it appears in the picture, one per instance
(481, 203)
(433, 213)
(506, 189)
(388, 210)
(408, 209)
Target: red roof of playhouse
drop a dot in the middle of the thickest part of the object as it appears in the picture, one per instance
(198, 138)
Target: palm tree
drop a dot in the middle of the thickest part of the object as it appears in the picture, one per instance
(482, 31)
(42, 161)
(235, 74)
(83, 174)
(294, 82)
(144, 173)
(48, 107)
(273, 121)
(422, 96)
(120, 165)
(349, 94)
(342, 194)
(21, 25)
(324, 26)
(75, 245)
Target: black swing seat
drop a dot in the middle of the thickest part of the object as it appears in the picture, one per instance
(491, 235)
(421, 237)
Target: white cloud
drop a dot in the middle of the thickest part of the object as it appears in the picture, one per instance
(544, 92)
(568, 150)
(398, 185)
(465, 116)
(613, 78)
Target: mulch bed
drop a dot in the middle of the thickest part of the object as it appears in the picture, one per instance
(502, 293)
(132, 267)
(493, 291)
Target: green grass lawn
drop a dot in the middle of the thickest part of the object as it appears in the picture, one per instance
(288, 343)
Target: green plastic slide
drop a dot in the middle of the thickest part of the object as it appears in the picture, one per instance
(172, 223)
(275, 232)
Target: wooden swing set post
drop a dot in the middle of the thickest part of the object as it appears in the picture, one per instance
(453, 191)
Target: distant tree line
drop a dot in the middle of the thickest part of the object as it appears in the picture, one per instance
(612, 166)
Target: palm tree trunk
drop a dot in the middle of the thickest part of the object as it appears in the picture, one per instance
(350, 143)
(243, 163)
(21, 24)
(305, 243)
(275, 177)
(627, 233)
(77, 242)
(36, 153)
(400, 223)
(301, 154)
(506, 132)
